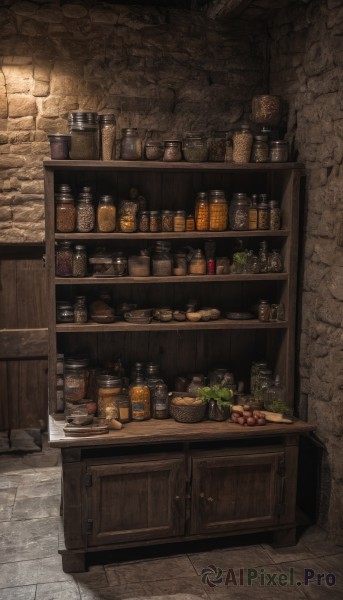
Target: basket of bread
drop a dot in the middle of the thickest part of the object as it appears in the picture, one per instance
(186, 408)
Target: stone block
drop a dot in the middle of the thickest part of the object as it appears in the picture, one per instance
(41, 89)
(50, 125)
(49, 14)
(32, 28)
(103, 15)
(74, 11)
(50, 106)
(335, 285)
(19, 80)
(32, 187)
(11, 162)
(24, 8)
(29, 214)
(3, 107)
(21, 106)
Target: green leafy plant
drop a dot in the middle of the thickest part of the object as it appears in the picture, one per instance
(222, 395)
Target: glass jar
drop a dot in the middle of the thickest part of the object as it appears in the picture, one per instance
(254, 371)
(120, 264)
(124, 407)
(131, 144)
(155, 221)
(64, 259)
(108, 136)
(275, 262)
(144, 221)
(202, 212)
(217, 147)
(229, 148)
(222, 265)
(242, 143)
(264, 311)
(84, 136)
(85, 213)
(106, 215)
(172, 151)
(239, 212)
(263, 257)
(75, 379)
(127, 222)
(197, 265)
(59, 146)
(253, 263)
(278, 151)
(80, 261)
(162, 262)
(180, 264)
(266, 110)
(64, 312)
(274, 215)
(160, 401)
(109, 388)
(180, 220)
(275, 396)
(263, 383)
(263, 216)
(140, 400)
(153, 150)
(219, 211)
(80, 310)
(194, 148)
(65, 210)
(260, 149)
(190, 223)
(196, 382)
(253, 213)
(167, 220)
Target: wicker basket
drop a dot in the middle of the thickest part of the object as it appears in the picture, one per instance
(192, 413)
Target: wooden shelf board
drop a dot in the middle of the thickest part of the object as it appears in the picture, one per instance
(171, 279)
(117, 235)
(226, 324)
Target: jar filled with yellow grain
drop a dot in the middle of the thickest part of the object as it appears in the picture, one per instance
(197, 264)
(106, 215)
(109, 388)
(140, 399)
(202, 212)
(180, 220)
(219, 211)
(242, 144)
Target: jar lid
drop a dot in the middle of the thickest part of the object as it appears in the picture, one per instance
(203, 195)
(264, 302)
(239, 195)
(273, 204)
(261, 138)
(260, 363)
(65, 244)
(59, 137)
(180, 212)
(154, 212)
(154, 144)
(263, 205)
(167, 212)
(80, 298)
(106, 199)
(64, 199)
(263, 197)
(64, 187)
(217, 192)
(108, 380)
(266, 372)
(80, 247)
(107, 118)
(85, 199)
(279, 143)
(63, 304)
(76, 362)
(172, 143)
(129, 131)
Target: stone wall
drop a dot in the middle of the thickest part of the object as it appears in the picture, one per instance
(306, 68)
(164, 70)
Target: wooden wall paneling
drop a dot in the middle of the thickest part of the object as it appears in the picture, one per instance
(13, 367)
(31, 294)
(8, 293)
(23, 343)
(4, 394)
(32, 393)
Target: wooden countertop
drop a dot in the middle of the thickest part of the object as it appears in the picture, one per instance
(166, 431)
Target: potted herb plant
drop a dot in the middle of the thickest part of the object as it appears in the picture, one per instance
(219, 401)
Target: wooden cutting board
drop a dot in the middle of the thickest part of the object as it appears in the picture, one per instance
(85, 431)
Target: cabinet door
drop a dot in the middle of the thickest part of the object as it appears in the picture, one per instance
(136, 501)
(236, 492)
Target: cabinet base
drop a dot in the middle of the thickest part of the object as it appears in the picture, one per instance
(73, 562)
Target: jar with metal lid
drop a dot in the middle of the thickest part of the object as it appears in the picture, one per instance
(180, 264)
(275, 262)
(106, 214)
(108, 136)
(65, 210)
(162, 261)
(242, 143)
(144, 221)
(194, 148)
(263, 257)
(278, 151)
(263, 311)
(253, 263)
(64, 312)
(124, 406)
(239, 212)
(140, 399)
(131, 144)
(160, 401)
(266, 109)
(84, 136)
(64, 259)
(255, 368)
(79, 261)
(217, 147)
(195, 383)
(197, 264)
(137, 370)
(202, 212)
(75, 379)
(85, 213)
(274, 215)
(167, 220)
(153, 150)
(190, 223)
(120, 264)
(260, 149)
(263, 216)
(172, 151)
(80, 310)
(219, 211)
(180, 220)
(59, 146)
(127, 222)
(109, 387)
(155, 221)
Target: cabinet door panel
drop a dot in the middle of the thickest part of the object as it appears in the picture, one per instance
(233, 492)
(136, 501)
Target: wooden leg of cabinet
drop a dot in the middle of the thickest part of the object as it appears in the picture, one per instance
(73, 562)
(285, 537)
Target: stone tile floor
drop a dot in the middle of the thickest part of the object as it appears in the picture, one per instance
(30, 566)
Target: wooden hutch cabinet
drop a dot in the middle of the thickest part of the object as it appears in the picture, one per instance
(162, 481)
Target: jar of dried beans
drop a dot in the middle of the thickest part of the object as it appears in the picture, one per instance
(180, 220)
(109, 388)
(108, 136)
(167, 220)
(219, 211)
(266, 110)
(217, 147)
(153, 150)
(143, 221)
(65, 210)
(202, 212)
(260, 149)
(106, 214)
(84, 141)
(194, 148)
(85, 213)
(80, 310)
(162, 262)
(172, 151)
(278, 151)
(79, 261)
(64, 259)
(155, 221)
(263, 216)
(239, 212)
(197, 265)
(75, 379)
(274, 215)
(242, 143)
(131, 144)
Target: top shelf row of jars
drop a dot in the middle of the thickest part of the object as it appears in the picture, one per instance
(93, 137)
